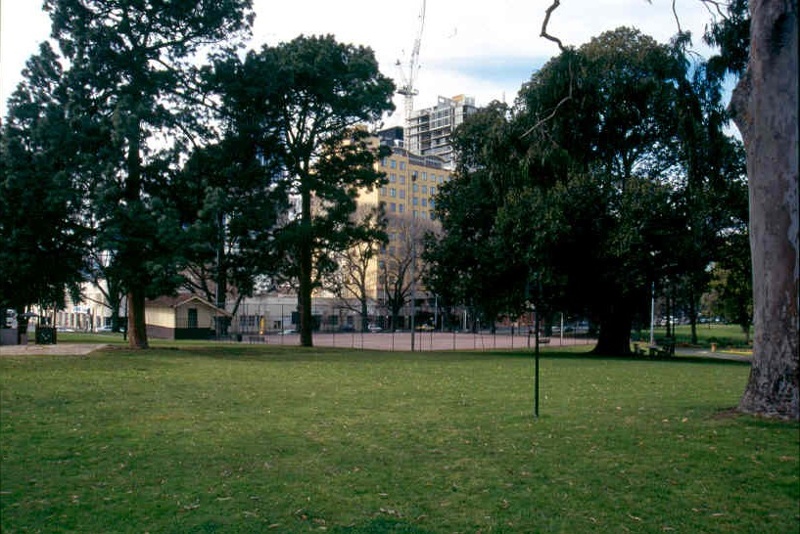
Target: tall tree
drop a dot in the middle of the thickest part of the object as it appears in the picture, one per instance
(606, 191)
(765, 108)
(317, 93)
(44, 175)
(130, 58)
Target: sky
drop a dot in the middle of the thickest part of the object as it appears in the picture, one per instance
(485, 50)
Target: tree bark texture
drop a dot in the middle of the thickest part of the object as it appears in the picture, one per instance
(137, 327)
(765, 111)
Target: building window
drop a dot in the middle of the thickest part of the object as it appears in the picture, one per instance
(191, 318)
(393, 192)
(415, 201)
(424, 203)
(393, 164)
(383, 191)
(424, 189)
(401, 208)
(402, 179)
(393, 177)
(383, 162)
(415, 188)
(433, 190)
(402, 193)
(402, 165)
(424, 176)
(393, 207)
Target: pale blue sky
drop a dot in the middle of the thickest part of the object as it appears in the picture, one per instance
(484, 50)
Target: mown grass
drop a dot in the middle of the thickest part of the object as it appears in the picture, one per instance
(232, 438)
(725, 336)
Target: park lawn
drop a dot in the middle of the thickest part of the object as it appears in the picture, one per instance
(233, 438)
(725, 336)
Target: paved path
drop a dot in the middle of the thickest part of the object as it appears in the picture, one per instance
(426, 341)
(65, 349)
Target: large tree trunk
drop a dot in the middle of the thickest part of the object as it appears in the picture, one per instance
(614, 338)
(137, 327)
(765, 110)
(305, 274)
(137, 330)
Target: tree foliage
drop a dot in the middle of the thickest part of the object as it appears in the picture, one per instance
(612, 155)
(129, 70)
(315, 93)
(41, 195)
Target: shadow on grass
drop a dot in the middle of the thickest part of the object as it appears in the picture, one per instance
(381, 525)
(280, 353)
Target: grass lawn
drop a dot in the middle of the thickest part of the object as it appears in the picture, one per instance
(232, 438)
(726, 336)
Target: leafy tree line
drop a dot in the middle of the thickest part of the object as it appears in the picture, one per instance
(610, 175)
(150, 150)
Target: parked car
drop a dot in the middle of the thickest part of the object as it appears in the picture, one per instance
(374, 328)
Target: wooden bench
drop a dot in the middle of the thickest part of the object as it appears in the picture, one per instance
(666, 350)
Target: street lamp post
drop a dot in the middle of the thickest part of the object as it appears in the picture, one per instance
(413, 261)
(652, 313)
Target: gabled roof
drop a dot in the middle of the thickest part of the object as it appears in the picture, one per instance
(181, 300)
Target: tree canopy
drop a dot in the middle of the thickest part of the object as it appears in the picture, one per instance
(598, 163)
(313, 95)
(128, 80)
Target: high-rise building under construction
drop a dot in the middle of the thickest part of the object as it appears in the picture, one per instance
(429, 131)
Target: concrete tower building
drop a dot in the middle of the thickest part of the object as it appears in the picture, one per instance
(429, 130)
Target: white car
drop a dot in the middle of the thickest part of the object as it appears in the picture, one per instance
(374, 328)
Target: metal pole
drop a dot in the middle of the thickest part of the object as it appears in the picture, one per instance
(536, 366)
(413, 261)
(652, 312)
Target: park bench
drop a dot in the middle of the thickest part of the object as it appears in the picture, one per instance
(664, 350)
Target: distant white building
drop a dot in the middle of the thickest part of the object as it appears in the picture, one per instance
(429, 131)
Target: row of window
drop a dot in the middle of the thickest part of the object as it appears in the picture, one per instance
(394, 192)
(423, 176)
(394, 207)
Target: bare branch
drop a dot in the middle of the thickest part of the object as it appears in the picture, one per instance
(546, 21)
(677, 18)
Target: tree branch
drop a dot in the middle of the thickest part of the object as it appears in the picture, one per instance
(546, 21)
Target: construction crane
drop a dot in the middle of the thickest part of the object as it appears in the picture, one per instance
(407, 88)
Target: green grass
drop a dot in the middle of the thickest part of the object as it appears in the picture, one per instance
(724, 335)
(234, 438)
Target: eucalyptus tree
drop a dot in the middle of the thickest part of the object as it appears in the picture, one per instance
(765, 109)
(316, 94)
(131, 61)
